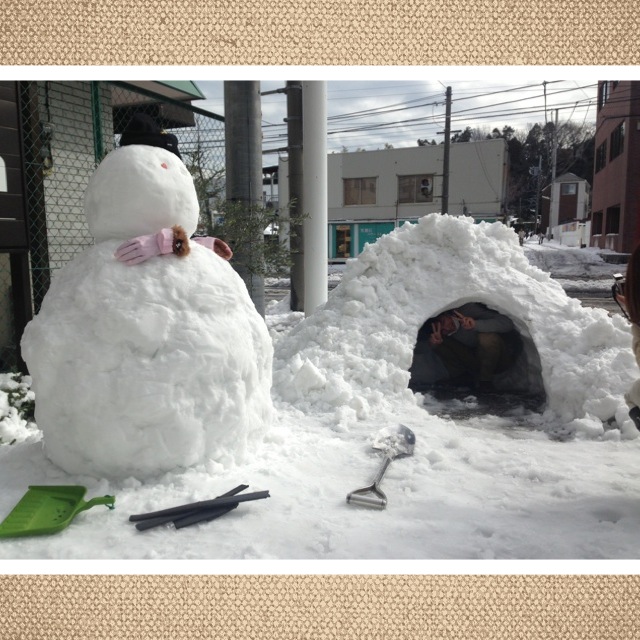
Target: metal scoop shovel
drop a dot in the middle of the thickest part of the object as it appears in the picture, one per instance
(395, 442)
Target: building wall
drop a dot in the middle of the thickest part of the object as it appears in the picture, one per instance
(477, 186)
(631, 220)
(570, 207)
(573, 234)
(6, 304)
(567, 206)
(477, 180)
(13, 234)
(616, 189)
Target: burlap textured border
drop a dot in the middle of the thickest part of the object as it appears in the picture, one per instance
(329, 32)
(319, 607)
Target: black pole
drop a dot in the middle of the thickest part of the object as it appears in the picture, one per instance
(243, 147)
(447, 144)
(294, 136)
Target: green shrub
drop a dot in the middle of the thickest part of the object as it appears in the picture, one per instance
(18, 398)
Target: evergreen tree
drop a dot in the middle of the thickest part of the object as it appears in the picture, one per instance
(239, 224)
(464, 136)
(533, 147)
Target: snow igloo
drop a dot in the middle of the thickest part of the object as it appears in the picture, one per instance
(354, 354)
(139, 370)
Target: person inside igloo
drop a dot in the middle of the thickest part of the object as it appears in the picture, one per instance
(468, 346)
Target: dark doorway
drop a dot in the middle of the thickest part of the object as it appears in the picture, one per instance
(454, 357)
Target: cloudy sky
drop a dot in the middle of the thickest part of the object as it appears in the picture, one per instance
(366, 114)
(370, 106)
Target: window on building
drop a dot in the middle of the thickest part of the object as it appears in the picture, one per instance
(569, 189)
(596, 223)
(359, 191)
(617, 141)
(601, 156)
(417, 188)
(604, 92)
(613, 220)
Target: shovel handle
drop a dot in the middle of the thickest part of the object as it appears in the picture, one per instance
(383, 468)
(369, 497)
(372, 495)
(108, 501)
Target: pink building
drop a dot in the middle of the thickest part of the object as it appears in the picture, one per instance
(616, 182)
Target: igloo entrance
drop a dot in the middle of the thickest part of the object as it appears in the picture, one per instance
(475, 346)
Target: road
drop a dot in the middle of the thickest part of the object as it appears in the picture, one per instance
(596, 299)
(586, 290)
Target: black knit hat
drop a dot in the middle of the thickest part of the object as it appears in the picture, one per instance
(143, 129)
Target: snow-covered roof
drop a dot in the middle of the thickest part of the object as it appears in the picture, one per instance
(570, 177)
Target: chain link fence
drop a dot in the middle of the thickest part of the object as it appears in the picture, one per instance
(66, 130)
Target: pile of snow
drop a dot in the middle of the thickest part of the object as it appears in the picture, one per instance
(352, 356)
(15, 393)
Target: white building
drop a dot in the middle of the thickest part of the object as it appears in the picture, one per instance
(566, 207)
(568, 199)
(371, 192)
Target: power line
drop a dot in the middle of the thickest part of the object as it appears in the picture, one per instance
(373, 126)
(401, 130)
(420, 102)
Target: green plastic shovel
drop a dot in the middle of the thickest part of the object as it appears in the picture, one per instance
(48, 509)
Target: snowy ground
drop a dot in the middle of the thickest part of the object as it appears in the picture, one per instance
(485, 482)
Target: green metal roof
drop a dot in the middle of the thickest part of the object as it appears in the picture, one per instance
(186, 87)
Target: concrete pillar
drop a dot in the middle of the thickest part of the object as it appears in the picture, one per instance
(315, 198)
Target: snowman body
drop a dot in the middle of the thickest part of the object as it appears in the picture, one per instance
(140, 370)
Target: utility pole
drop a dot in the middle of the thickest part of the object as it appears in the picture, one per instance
(315, 190)
(243, 159)
(447, 146)
(554, 159)
(538, 191)
(294, 149)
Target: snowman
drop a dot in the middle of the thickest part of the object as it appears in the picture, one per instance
(148, 355)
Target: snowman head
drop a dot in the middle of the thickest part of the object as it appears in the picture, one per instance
(139, 189)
